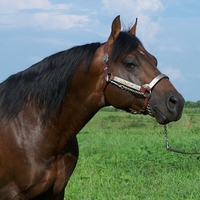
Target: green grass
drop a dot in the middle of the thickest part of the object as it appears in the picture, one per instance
(123, 157)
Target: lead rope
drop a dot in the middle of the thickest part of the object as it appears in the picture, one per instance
(175, 150)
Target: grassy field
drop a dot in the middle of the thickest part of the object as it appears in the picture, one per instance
(123, 157)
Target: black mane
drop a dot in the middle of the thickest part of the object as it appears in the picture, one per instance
(45, 83)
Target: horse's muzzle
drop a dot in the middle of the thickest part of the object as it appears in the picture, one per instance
(171, 111)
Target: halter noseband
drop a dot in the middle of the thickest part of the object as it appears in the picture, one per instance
(143, 91)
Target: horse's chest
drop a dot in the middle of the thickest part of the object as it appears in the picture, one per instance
(56, 176)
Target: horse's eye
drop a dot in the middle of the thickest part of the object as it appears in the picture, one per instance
(130, 64)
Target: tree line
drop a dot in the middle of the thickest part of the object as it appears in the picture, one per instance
(191, 104)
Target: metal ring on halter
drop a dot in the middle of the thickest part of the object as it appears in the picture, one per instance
(147, 92)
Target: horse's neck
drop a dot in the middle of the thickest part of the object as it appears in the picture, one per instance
(84, 99)
(79, 111)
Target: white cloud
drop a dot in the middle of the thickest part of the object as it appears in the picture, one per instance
(172, 73)
(43, 15)
(147, 29)
(137, 7)
(13, 6)
(144, 10)
(149, 5)
(58, 20)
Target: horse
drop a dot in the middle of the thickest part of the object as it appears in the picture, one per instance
(43, 108)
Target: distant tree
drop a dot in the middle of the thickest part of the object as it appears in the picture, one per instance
(190, 104)
(198, 104)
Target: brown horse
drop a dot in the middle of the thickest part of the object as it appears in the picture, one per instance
(44, 107)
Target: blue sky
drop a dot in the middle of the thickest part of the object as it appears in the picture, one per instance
(169, 29)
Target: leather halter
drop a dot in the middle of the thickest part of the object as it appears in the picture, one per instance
(143, 91)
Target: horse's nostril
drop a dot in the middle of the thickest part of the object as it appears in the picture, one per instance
(172, 103)
(173, 99)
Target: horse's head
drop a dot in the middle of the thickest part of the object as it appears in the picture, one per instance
(134, 82)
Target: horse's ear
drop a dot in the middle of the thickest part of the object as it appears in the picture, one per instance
(115, 30)
(132, 31)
